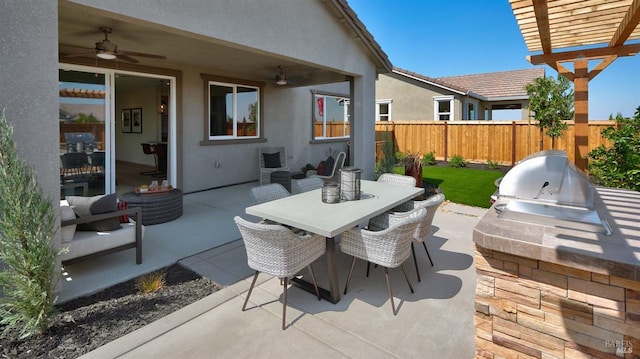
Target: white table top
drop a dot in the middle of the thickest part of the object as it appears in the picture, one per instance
(306, 210)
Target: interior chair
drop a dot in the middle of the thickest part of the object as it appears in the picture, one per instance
(388, 248)
(334, 172)
(271, 159)
(160, 150)
(306, 184)
(397, 179)
(147, 149)
(422, 232)
(74, 165)
(269, 192)
(276, 250)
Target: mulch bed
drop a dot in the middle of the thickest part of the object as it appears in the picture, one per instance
(87, 323)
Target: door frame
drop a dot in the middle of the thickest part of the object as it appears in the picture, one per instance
(110, 120)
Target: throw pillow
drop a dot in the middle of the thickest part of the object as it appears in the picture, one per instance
(271, 160)
(328, 165)
(320, 171)
(123, 205)
(66, 213)
(86, 206)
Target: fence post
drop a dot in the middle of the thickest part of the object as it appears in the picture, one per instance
(513, 143)
(446, 140)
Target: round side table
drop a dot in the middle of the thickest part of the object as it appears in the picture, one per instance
(156, 207)
(282, 177)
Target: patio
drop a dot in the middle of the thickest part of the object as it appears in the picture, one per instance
(437, 320)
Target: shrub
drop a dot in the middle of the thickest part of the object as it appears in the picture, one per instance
(457, 161)
(493, 165)
(429, 159)
(27, 231)
(386, 164)
(619, 165)
(151, 282)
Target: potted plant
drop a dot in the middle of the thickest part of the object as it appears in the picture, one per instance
(413, 167)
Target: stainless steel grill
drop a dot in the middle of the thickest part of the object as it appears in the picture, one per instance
(545, 188)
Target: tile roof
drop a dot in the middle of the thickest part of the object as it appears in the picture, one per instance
(496, 84)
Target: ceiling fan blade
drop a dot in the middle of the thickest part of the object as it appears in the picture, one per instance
(141, 54)
(126, 58)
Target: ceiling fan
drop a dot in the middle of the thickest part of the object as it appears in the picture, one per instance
(108, 50)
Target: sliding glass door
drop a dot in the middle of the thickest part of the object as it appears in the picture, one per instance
(84, 135)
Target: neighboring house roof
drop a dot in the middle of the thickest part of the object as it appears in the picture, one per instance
(493, 86)
(497, 85)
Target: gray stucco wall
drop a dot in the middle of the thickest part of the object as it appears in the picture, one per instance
(29, 84)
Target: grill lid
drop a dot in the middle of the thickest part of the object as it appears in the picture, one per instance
(545, 188)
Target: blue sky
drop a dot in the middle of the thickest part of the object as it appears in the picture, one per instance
(462, 37)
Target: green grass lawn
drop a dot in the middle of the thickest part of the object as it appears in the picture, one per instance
(468, 186)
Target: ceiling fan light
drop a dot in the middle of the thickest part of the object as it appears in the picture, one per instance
(106, 55)
(281, 79)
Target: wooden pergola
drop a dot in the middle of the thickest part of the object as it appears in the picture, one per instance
(583, 30)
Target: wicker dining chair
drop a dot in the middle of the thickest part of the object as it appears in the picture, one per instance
(269, 192)
(397, 179)
(306, 184)
(388, 248)
(422, 232)
(276, 250)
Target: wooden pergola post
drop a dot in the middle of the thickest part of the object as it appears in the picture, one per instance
(581, 107)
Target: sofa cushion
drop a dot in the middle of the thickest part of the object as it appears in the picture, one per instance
(86, 206)
(66, 213)
(272, 160)
(328, 165)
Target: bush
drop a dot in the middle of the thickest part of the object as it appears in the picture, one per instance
(493, 165)
(429, 159)
(619, 165)
(457, 161)
(27, 231)
(386, 164)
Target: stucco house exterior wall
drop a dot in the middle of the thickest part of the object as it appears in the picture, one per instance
(473, 97)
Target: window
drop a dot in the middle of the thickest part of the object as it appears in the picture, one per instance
(330, 116)
(443, 108)
(383, 110)
(234, 111)
(472, 112)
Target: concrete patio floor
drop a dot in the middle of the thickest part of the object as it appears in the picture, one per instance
(434, 322)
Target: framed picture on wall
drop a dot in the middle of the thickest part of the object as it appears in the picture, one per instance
(136, 120)
(125, 122)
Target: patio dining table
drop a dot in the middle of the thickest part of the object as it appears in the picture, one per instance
(306, 211)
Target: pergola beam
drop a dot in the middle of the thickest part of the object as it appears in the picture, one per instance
(542, 19)
(618, 51)
(627, 25)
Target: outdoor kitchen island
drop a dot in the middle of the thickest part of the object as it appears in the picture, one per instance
(557, 288)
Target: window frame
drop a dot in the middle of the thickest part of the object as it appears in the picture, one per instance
(387, 102)
(475, 104)
(436, 107)
(209, 80)
(346, 121)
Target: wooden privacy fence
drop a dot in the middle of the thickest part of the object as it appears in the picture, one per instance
(479, 141)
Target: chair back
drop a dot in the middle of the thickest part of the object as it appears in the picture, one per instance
(269, 192)
(397, 179)
(274, 249)
(147, 149)
(431, 204)
(306, 184)
(389, 247)
(338, 164)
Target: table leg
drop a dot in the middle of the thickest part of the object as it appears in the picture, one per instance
(333, 294)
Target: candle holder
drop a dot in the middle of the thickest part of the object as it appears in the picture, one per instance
(330, 192)
(350, 183)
